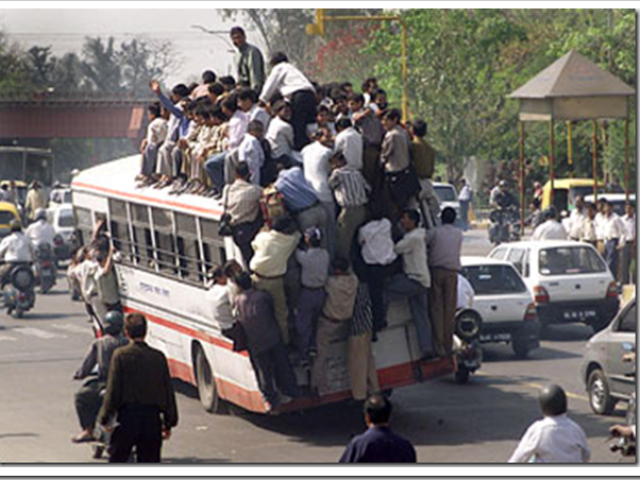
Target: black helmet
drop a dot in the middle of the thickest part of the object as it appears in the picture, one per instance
(553, 400)
(550, 213)
(15, 225)
(113, 322)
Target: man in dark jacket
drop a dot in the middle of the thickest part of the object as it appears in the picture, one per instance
(267, 353)
(378, 444)
(140, 392)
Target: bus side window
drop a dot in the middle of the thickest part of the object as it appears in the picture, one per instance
(163, 229)
(188, 249)
(142, 235)
(119, 229)
(84, 224)
(212, 244)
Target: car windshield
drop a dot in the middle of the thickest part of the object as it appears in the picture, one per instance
(445, 194)
(570, 261)
(66, 218)
(494, 279)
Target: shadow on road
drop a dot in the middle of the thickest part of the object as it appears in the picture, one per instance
(18, 435)
(504, 353)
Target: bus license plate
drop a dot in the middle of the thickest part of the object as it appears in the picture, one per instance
(579, 314)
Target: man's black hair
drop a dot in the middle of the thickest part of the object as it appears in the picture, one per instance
(192, 86)
(393, 114)
(322, 108)
(154, 109)
(343, 123)
(419, 128)
(180, 90)
(242, 170)
(344, 85)
(230, 103)
(590, 205)
(247, 93)
(255, 126)
(135, 324)
(377, 92)
(237, 29)
(340, 264)
(413, 215)
(552, 400)
(448, 216)
(216, 112)
(203, 112)
(218, 273)
(243, 280)
(337, 93)
(536, 202)
(278, 106)
(227, 80)
(367, 83)
(277, 58)
(356, 97)
(378, 409)
(216, 88)
(208, 77)
(284, 224)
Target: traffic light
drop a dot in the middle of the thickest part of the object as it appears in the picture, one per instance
(317, 28)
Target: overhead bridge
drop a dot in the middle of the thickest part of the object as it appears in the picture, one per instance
(73, 118)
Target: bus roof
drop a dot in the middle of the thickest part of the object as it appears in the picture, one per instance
(116, 179)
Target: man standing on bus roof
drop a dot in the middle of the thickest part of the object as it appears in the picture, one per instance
(248, 60)
(35, 200)
(140, 392)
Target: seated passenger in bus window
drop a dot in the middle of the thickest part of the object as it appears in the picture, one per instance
(268, 355)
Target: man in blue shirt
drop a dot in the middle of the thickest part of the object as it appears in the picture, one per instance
(378, 444)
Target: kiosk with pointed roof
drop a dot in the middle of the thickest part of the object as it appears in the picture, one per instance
(573, 88)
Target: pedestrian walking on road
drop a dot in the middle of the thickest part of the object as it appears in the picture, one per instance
(140, 393)
(554, 439)
(378, 444)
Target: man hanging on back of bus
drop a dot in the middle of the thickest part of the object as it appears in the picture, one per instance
(140, 393)
(267, 352)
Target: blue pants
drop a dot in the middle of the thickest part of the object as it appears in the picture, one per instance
(611, 256)
(214, 166)
(310, 303)
(464, 214)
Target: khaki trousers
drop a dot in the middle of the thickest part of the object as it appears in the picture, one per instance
(362, 367)
(275, 286)
(443, 297)
(328, 331)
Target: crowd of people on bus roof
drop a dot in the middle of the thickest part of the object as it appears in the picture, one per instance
(326, 193)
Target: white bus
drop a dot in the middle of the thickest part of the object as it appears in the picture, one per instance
(168, 243)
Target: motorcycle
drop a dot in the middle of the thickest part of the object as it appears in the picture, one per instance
(45, 269)
(19, 294)
(504, 226)
(467, 344)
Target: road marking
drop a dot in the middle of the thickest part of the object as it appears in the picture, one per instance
(538, 386)
(69, 327)
(4, 338)
(36, 332)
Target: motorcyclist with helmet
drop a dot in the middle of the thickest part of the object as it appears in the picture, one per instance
(41, 231)
(88, 399)
(556, 438)
(15, 249)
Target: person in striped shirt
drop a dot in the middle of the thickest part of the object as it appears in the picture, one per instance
(351, 192)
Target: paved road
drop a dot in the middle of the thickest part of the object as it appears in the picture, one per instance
(478, 422)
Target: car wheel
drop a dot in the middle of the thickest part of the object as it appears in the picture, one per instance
(207, 390)
(521, 349)
(600, 399)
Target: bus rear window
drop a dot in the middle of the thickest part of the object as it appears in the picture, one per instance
(570, 261)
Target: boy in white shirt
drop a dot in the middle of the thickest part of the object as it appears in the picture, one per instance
(156, 135)
(554, 439)
(250, 150)
(280, 134)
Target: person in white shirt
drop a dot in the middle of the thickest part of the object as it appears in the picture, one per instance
(294, 86)
(250, 151)
(629, 250)
(576, 219)
(415, 279)
(248, 103)
(551, 229)
(377, 250)
(41, 231)
(465, 293)
(349, 143)
(464, 197)
(15, 249)
(614, 234)
(220, 301)
(600, 204)
(156, 134)
(280, 134)
(588, 229)
(316, 163)
(554, 439)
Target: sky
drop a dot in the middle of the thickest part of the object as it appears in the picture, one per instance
(64, 30)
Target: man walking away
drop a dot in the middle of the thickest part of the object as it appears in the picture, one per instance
(248, 61)
(378, 444)
(140, 393)
(551, 229)
(556, 438)
(629, 251)
(89, 398)
(465, 200)
(445, 244)
(267, 353)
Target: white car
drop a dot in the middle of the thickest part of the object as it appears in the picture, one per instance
(617, 200)
(63, 222)
(59, 196)
(569, 281)
(448, 197)
(504, 303)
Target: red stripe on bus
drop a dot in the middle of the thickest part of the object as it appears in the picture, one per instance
(187, 331)
(144, 198)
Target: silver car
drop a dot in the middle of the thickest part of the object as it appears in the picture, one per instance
(607, 378)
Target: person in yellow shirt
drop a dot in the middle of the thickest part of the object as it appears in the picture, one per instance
(35, 199)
